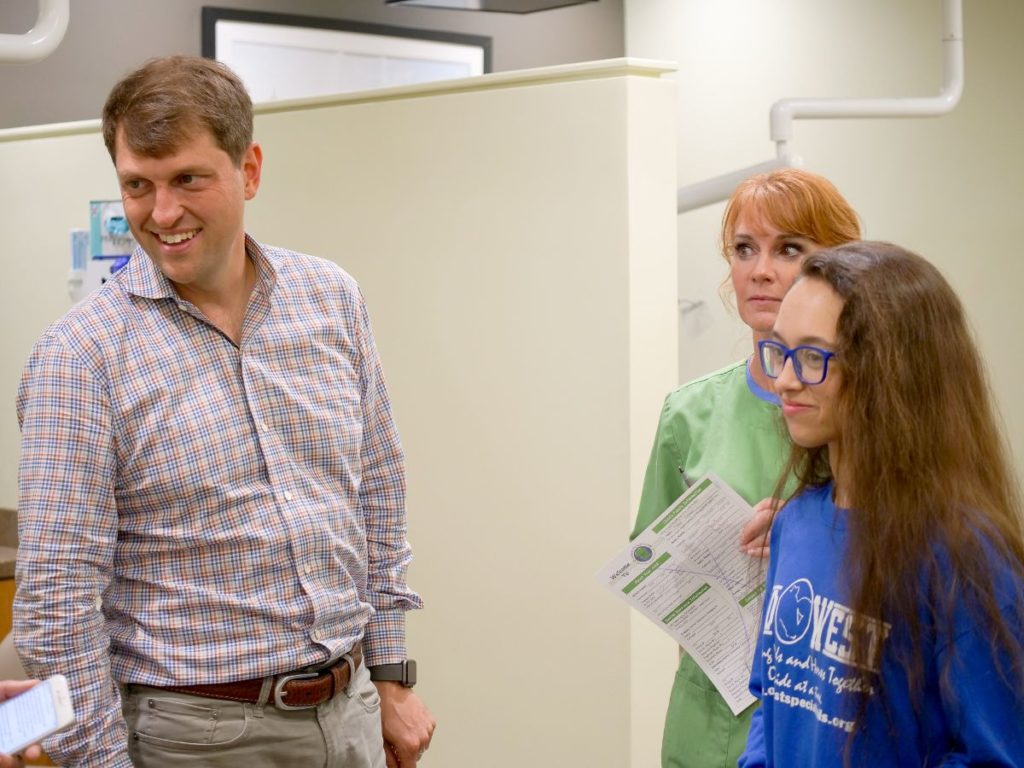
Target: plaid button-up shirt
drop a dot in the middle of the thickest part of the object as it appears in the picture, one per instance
(195, 512)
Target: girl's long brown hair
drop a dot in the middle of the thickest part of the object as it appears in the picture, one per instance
(921, 462)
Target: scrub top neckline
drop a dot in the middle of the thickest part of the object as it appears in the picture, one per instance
(757, 390)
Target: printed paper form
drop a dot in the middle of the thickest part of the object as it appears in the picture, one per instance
(686, 573)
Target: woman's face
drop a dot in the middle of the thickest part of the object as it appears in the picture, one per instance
(763, 263)
(809, 316)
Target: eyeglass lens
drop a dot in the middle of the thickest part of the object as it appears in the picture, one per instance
(808, 362)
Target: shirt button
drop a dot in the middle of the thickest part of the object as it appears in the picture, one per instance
(307, 568)
(264, 427)
(288, 496)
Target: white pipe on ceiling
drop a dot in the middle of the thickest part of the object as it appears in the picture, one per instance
(43, 39)
(720, 187)
(783, 113)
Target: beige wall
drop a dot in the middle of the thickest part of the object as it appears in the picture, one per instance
(950, 188)
(515, 241)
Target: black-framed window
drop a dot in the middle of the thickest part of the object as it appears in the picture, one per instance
(290, 56)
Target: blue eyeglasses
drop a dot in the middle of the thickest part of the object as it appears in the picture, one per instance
(810, 364)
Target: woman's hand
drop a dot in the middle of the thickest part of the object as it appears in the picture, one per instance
(754, 536)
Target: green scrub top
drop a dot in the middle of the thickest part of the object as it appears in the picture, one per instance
(722, 423)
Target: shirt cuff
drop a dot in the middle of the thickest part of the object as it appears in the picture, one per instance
(384, 639)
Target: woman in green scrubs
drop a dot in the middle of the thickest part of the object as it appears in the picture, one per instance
(727, 421)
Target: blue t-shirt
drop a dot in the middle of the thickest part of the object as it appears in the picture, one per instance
(809, 688)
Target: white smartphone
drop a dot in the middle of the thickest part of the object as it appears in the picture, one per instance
(31, 716)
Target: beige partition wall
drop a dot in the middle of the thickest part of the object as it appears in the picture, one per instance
(515, 238)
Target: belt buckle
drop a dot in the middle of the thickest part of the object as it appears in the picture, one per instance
(282, 681)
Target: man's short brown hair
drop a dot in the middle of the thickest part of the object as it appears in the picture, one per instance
(158, 105)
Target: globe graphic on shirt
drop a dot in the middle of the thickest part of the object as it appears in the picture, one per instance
(793, 617)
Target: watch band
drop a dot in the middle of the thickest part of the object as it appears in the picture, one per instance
(404, 673)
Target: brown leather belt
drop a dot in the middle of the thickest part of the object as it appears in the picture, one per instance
(294, 690)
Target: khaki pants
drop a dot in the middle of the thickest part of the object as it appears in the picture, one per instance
(168, 729)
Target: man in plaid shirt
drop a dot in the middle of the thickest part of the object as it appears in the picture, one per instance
(211, 489)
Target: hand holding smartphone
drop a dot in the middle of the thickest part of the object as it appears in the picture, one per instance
(29, 717)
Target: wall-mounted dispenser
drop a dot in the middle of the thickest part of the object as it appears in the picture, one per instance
(100, 252)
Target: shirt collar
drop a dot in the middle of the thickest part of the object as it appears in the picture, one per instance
(140, 277)
(757, 390)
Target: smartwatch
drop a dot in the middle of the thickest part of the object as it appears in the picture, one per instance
(404, 673)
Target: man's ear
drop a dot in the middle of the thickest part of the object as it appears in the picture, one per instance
(252, 165)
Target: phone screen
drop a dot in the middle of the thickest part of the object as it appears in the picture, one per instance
(27, 718)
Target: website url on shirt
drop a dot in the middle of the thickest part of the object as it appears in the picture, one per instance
(812, 706)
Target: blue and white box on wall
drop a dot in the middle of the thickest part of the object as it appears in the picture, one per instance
(109, 243)
(109, 236)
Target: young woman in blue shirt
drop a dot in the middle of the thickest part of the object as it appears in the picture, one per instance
(893, 629)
